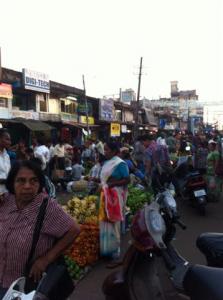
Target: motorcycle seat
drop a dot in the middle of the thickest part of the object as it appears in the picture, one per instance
(204, 283)
(211, 245)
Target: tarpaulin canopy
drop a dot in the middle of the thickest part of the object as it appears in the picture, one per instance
(35, 125)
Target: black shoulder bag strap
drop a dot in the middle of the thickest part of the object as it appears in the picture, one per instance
(36, 234)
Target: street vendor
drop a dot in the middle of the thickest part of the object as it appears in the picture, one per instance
(94, 174)
(114, 179)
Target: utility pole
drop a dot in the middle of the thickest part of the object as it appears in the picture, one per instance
(188, 116)
(86, 106)
(136, 125)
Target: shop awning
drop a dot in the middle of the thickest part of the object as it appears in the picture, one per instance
(35, 125)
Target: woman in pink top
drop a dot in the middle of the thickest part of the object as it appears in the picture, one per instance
(18, 213)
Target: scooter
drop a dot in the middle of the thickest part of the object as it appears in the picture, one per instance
(191, 186)
(140, 276)
(152, 267)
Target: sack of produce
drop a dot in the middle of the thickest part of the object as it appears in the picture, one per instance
(80, 185)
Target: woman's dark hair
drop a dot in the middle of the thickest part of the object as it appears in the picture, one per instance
(3, 131)
(147, 137)
(36, 161)
(17, 166)
(113, 146)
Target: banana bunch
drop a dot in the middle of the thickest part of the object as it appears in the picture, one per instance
(83, 209)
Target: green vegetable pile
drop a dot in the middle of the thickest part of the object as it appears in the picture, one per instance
(75, 271)
(137, 198)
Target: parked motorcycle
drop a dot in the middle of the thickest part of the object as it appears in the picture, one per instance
(153, 269)
(139, 277)
(191, 185)
(211, 245)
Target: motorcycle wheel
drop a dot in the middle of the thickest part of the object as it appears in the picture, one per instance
(149, 279)
(202, 209)
(201, 205)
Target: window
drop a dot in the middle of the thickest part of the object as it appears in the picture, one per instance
(63, 106)
(68, 106)
(43, 103)
(3, 102)
(24, 101)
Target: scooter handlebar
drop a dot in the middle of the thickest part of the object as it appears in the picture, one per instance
(168, 261)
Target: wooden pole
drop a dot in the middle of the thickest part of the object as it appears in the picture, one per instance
(136, 127)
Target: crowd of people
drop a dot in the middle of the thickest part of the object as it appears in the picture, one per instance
(30, 174)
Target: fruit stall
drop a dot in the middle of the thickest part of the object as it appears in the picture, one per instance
(85, 250)
(84, 209)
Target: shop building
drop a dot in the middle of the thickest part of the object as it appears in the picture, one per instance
(33, 104)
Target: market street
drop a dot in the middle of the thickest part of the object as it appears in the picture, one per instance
(90, 287)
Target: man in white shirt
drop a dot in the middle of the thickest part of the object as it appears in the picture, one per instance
(59, 155)
(43, 153)
(100, 147)
(5, 165)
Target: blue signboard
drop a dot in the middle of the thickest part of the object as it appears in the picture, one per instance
(106, 109)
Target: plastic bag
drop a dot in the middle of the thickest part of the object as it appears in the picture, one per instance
(109, 241)
(19, 291)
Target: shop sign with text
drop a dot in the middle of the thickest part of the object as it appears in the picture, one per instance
(36, 81)
(83, 120)
(70, 118)
(5, 91)
(115, 129)
(106, 109)
(82, 107)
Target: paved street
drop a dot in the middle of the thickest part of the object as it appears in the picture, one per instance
(90, 287)
(186, 240)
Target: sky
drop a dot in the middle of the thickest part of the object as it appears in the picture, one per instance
(104, 39)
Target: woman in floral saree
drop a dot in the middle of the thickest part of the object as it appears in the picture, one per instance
(114, 179)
